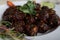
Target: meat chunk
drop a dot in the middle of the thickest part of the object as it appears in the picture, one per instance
(14, 14)
(43, 27)
(44, 20)
(18, 26)
(31, 30)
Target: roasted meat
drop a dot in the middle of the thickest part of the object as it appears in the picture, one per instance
(44, 20)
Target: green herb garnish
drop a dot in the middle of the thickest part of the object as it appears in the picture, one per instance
(6, 23)
(12, 35)
(28, 8)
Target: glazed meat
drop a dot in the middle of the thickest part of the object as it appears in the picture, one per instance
(31, 29)
(44, 20)
(17, 18)
(14, 14)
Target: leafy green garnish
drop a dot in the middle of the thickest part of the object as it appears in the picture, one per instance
(10, 33)
(13, 35)
(6, 23)
(28, 8)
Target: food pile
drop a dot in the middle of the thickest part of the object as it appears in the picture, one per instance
(31, 18)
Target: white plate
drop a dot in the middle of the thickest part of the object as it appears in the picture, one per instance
(55, 35)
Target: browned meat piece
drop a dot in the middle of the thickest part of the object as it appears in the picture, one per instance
(14, 14)
(43, 27)
(29, 19)
(51, 12)
(31, 30)
(53, 18)
(53, 21)
(16, 17)
(42, 15)
(19, 26)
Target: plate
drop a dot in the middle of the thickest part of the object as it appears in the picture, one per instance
(55, 35)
